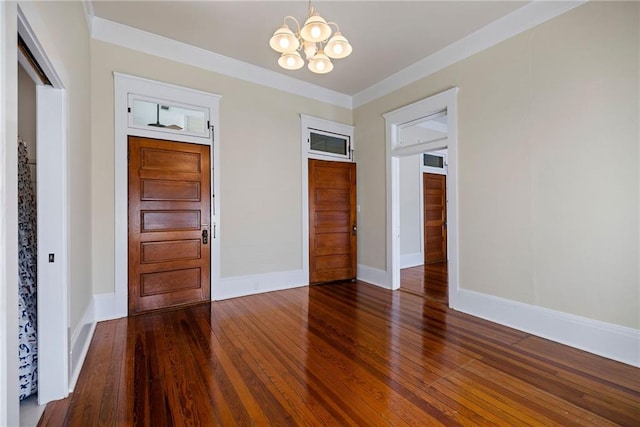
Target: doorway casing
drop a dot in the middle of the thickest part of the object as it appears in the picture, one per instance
(394, 122)
(125, 85)
(308, 123)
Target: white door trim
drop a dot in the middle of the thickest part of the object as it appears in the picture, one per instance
(53, 236)
(53, 225)
(9, 408)
(394, 121)
(125, 85)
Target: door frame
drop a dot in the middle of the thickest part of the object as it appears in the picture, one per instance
(394, 122)
(54, 365)
(9, 406)
(306, 123)
(124, 85)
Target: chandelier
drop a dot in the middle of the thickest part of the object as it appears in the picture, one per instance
(314, 39)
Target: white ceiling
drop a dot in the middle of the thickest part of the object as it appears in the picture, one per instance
(387, 36)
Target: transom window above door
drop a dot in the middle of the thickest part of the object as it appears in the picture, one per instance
(329, 144)
(166, 116)
(326, 140)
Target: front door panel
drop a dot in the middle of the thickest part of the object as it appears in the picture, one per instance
(169, 209)
(332, 221)
(435, 217)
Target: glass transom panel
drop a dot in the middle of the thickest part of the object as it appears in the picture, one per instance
(164, 116)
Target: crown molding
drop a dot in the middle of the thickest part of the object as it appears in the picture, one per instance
(518, 21)
(153, 44)
(87, 6)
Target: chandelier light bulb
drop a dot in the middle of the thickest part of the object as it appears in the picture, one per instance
(283, 40)
(315, 28)
(291, 61)
(338, 47)
(320, 64)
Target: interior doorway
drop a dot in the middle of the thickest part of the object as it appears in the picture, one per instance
(46, 114)
(156, 110)
(27, 243)
(431, 110)
(423, 222)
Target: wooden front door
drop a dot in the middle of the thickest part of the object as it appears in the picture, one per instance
(435, 217)
(169, 213)
(332, 221)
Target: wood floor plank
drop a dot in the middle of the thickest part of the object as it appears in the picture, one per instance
(55, 413)
(345, 354)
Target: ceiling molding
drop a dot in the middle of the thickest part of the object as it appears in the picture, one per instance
(153, 44)
(87, 6)
(518, 21)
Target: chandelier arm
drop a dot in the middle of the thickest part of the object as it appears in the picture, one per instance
(297, 34)
(336, 25)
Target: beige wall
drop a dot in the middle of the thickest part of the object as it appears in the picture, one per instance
(410, 206)
(61, 28)
(261, 202)
(548, 161)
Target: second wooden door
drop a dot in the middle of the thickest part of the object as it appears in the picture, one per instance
(332, 221)
(435, 217)
(169, 212)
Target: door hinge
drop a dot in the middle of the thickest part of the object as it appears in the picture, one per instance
(128, 109)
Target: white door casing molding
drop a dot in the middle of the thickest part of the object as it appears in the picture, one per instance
(307, 123)
(125, 85)
(9, 409)
(53, 236)
(394, 121)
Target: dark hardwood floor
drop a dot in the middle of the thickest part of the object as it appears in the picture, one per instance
(339, 354)
(428, 280)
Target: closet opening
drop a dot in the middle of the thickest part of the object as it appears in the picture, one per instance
(43, 336)
(27, 240)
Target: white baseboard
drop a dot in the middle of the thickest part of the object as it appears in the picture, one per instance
(411, 260)
(105, 306)
(601, 338)
(232, 287)
(373, 275)
(80, 340)
(604, 339)
(228, 287)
